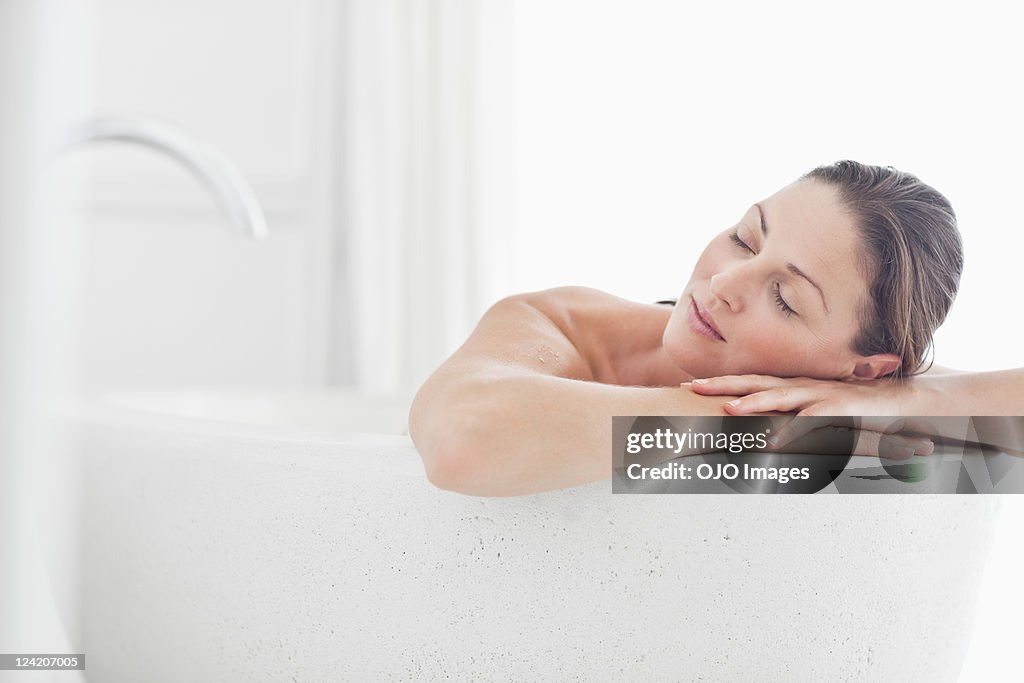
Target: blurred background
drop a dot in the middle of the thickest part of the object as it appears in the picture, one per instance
(417, 161)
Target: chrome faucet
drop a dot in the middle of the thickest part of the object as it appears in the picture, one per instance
(212, 168)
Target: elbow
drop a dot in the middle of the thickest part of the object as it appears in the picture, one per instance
(461, 464)
(463, 439)
(446, 447)
(467, 469)
(447, 469)
(454, 465)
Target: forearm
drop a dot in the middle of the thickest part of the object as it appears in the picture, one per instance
(994, 399)
(999, 392)
(958, 393)
(523, 433)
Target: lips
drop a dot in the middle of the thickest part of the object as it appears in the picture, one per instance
(703, 319)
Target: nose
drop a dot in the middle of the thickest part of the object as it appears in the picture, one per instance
(729, 285)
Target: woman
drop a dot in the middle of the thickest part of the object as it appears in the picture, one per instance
(821, 300)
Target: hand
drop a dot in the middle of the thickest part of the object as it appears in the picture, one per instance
(827, 435)
(817, 402)
(808, 397)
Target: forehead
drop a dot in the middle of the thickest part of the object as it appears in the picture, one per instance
(809, 225)
(810, 208)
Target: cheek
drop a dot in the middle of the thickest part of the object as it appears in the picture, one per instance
(779, 351)
(709, 262)
(770, 345)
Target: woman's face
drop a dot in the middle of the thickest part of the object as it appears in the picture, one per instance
(782, 289)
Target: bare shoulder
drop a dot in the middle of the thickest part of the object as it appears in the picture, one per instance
(526, 332)
(573, 302)
(565, 303)
(621, 339)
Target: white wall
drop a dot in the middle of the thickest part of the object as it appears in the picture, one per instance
(169, 294)
(646, 127)
(373, 134)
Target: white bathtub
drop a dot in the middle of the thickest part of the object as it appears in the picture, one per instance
(293, 536)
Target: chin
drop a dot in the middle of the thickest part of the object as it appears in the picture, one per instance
(672, 342)
(682, 355)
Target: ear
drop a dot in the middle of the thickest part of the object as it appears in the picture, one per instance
(878, 365)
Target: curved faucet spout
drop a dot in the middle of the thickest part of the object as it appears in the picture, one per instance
(212, 168)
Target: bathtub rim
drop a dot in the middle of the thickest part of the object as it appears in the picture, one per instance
(146, 409)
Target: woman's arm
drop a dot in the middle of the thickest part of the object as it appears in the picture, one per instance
(995, 401)
(954, 392)
(938, 392)
(525, 405)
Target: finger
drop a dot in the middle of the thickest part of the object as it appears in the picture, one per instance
(927, 448)
(921, 446)
(833, 440)
(782, 399)
(735, 384)
(798, 427)
(888, 425)
(891, 447)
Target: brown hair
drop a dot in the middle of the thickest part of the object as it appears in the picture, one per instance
(914, 258)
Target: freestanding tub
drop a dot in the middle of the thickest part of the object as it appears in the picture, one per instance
(292, 536)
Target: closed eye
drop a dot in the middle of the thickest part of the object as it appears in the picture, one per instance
(786, 309)
(781, 303)
(735, 237)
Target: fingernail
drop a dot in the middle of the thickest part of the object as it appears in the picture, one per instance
(734, 403)
(700, 381)
(773, 442)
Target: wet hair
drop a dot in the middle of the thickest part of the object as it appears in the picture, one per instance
(914, 258)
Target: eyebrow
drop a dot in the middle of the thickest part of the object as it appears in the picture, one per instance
(791, 267)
